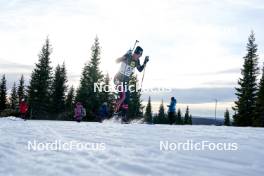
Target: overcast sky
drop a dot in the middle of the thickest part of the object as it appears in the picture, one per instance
(191, 43)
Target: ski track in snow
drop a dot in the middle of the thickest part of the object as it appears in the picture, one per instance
(131, 149)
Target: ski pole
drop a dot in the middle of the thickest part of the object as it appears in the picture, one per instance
(143, 77)
(135, 45)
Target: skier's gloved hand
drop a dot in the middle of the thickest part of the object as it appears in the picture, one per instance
(146, 60)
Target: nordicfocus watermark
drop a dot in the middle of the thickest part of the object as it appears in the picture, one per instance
(124, 87)
(58, 145)
(189, 145)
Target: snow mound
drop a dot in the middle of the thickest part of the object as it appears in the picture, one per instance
(117, 120)
(114, 119)
(130, 150)
(12, 118)
(137, 121)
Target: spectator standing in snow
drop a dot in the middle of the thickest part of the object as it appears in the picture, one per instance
(172, 109)
(103, 112)
(23, 108)
(79, 112)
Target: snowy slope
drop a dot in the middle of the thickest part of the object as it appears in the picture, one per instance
(129, 149)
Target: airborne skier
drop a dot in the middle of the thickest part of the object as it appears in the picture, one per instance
(128, 63)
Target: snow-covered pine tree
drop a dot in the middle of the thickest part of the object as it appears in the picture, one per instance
(91, 75)
(148, 112)
(40, 83)
(247, 90)
(227, 118)
(259, 111)
(3, 94)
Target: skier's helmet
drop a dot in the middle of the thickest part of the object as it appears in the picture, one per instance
(138, 50)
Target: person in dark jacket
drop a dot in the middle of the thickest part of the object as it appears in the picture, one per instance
(103, 112)
(79, 112)
(172, 110)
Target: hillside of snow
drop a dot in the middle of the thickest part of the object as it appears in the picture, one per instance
(128, 149)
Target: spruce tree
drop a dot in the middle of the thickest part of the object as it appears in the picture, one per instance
(259, 111)
(161, 114)
(179, 117)
(3, 94)
(69, 103)
(108, 96)
(40, 83)
(187, 116)
(91, 75)
(148, 113)
(14, 98)
(190, 120)
(21, 89)
(135, 106)
(247, 90)
(161, 110)
(58, 90)
(227, 118)
(155, 119)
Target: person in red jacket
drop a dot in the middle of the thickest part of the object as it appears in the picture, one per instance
(23, 108)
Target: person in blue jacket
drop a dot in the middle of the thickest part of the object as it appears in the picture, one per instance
(103, 112)
(172, 110)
